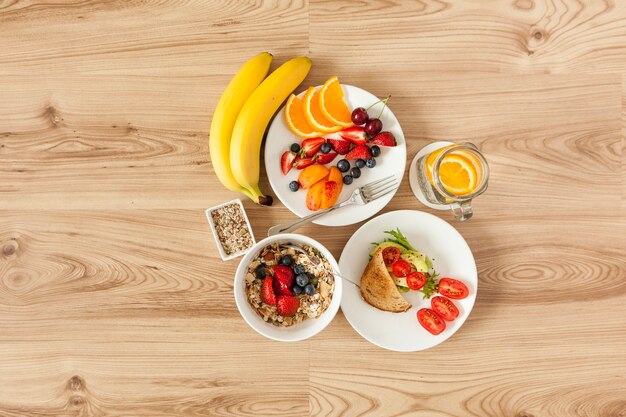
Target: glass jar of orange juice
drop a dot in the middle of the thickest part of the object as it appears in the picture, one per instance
(452, 176)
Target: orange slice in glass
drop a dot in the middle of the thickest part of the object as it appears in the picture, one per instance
(314, 115)
(458, 174)
(296, 121)
(332, 104)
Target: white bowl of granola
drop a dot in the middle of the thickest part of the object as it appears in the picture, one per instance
(283, 305)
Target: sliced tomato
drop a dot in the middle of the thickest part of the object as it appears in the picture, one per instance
(445, 308)
(390, 255)
(453, 288)
(416, 280)
(401, 268)
(431, 321)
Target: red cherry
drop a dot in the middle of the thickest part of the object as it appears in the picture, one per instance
(359, 116)
(373, 127)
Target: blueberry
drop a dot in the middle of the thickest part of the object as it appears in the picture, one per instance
(294, 186)
(313, 281)
(371, 163)
(309, 289)
(348, 179)
(259, 272)
(297, 290)
(286, 260)
(298, 269)
(302, 280)
(355, 172)
(375, 150)
(360, 163)
(295, 148)
(343, 165)
(325, 148)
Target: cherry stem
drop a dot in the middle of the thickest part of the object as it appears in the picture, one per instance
(384, 101)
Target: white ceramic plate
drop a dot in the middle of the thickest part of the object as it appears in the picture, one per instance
(392, 160)
(451, 258)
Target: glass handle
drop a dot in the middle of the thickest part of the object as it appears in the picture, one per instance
(462, 211)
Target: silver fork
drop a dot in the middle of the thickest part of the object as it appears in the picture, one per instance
(362, 195)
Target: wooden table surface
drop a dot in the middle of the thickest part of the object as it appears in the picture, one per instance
(113, 298)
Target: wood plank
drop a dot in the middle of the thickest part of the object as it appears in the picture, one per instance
(523, 36)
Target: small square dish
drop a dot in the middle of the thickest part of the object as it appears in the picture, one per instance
(231, 229)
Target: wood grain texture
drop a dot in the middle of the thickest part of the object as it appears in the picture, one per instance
(113, 298)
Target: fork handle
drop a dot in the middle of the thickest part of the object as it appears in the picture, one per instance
(290, 227)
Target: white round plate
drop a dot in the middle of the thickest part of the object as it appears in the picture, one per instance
(392, 160)
(451, 257)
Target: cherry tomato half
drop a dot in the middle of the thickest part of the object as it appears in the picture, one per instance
(445, 308)
(390, 255)
(431, 321)
(401, 268)
(453, 288)
(415, 280)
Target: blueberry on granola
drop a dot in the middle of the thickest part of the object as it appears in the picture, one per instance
(309, 289)
(259, 272)
(302, 280)
(299, 269)
(286, 260)
(297, 290)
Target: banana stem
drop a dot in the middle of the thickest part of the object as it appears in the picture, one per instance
(258, 197)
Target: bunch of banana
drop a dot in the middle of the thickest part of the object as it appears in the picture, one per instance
(241, 118)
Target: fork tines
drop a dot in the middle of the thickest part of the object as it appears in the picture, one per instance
(379, 188)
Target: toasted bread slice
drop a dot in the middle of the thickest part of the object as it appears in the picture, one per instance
(379, 289)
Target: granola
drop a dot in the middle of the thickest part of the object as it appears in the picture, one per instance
(231, 228)
(311, 306)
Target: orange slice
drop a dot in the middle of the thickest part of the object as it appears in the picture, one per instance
(332, 104)
(458, 174)
(295, 119)
(314, 115)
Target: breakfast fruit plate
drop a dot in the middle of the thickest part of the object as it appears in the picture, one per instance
(326, 142)
(417, 280)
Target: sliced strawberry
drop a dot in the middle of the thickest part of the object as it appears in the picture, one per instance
(267, 292)
(359, 152)
(354, 134)
(384, 139)
(284, 274)
(280, 288)
(286, 161)
(301, 163)
(287, 306)
(309, 147)
(339, 144)
(324, 158)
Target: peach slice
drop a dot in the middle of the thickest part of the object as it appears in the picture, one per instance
(315, 196)
(335, 175)
(312, 174)
(331, 194)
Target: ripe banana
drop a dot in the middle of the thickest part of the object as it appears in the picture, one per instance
(245, 145)
(233, 99)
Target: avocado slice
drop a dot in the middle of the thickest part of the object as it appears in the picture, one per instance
(386, 245)
(419, 260)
